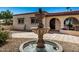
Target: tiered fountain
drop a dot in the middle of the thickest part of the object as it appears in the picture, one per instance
(40, 45)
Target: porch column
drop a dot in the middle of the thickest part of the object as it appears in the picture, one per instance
(62, 23)
(43, 20)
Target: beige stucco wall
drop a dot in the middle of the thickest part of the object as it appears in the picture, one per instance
(61, 19)
(27, 21)
(46, 21)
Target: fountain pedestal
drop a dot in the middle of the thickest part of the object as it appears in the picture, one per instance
(40, 32)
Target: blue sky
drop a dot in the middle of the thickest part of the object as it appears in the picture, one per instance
(19, 10)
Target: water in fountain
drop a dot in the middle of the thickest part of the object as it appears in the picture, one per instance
(49, 47)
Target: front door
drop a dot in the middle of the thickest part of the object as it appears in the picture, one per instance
(52, 24)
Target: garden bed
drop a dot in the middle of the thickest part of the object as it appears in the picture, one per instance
(12, 45)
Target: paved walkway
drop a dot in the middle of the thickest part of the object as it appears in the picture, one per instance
(24, 35)
(54, 36)
(62, 37)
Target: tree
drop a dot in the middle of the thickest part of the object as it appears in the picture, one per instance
(1, 17)
(68, 9)
(7, 16)
(40, 11)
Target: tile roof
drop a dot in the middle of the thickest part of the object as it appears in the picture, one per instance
(28, 13)
(24, 14)
(63, 13)
(54, 14)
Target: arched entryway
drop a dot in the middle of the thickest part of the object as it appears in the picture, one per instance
(55, 24)
(70, 23)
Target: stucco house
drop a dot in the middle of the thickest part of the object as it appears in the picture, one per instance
(55, 21)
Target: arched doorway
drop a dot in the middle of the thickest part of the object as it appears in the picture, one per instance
(70, 23)
(55, 24)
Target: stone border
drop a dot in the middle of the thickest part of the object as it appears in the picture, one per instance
(23, 44)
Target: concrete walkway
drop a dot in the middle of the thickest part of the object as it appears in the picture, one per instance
(55, 36)
(62, 37)
(24, 35)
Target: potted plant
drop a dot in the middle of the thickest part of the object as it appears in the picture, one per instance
(69, 25)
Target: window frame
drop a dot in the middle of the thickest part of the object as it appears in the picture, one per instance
(34, 20)
(20, 20)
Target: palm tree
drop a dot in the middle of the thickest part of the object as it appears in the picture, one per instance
(69, 24)
(67, 8)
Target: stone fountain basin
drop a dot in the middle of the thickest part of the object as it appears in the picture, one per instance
(30, 46)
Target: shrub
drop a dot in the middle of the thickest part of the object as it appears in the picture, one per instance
(3, 37)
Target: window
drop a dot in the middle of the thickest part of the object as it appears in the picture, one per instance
(34, 20)
(20, 20)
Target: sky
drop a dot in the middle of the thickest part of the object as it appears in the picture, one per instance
(19, 10)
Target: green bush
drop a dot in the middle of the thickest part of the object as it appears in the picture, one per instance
(3, 37)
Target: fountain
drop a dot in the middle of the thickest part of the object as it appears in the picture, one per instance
(41, 45)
